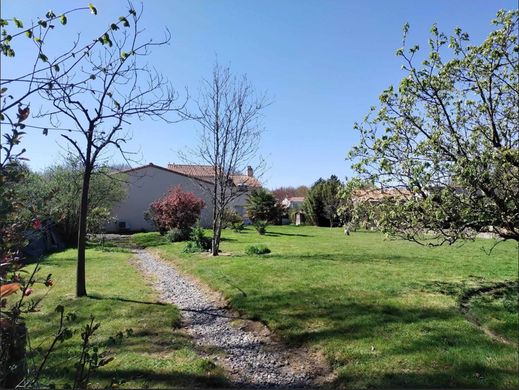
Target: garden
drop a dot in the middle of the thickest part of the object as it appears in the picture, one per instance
(384, 313)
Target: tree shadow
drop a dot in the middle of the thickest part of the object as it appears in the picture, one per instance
(100, 297)
(278, 234)
(402, 335)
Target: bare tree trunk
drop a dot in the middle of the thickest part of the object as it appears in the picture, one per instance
(81, 240)
(215, 242)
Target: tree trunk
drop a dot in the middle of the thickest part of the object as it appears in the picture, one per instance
(81, 240)
(215, 241)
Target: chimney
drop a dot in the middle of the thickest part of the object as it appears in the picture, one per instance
(250, 172)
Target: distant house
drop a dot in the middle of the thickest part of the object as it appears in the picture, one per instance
(148, 183)
(375, 195)
(294, 203)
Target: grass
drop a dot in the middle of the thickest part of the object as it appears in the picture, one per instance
(154, 355)
(385, 312)
(147, 240)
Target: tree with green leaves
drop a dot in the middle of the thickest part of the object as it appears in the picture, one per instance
(101, 100)
(263, 206)
(448, 138)
(91, 106)
(321, 205)
(55, 195)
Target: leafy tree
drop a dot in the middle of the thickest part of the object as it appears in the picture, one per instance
(228, 113)
(262, 206)
(322, 203)
(55, 194)
(111, 90)
(448, 135)
(176, 210)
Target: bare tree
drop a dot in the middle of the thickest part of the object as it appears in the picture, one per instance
(229, 114)
(100, 99)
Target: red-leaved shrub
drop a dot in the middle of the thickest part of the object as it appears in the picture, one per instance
(177, 209)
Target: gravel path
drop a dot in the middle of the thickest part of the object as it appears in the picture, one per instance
(250, 359)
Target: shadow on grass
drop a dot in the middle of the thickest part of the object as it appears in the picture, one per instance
(100, 297)
(416, 339)
(170, 379)
(277, 234)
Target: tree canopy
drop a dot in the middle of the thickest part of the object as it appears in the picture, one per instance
(448, 138)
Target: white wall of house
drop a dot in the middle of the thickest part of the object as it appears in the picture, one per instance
(149, 183)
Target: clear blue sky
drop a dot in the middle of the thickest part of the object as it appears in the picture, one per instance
(323, 62)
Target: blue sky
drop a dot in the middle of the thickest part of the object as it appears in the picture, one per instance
(322, 62)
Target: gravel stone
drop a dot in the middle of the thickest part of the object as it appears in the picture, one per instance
(247, 358)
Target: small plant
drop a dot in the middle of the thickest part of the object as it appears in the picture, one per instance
(261, 226)
(198, 237)
(176, 234)
(257, 250)
(237, 227)
(233, 220)
(198, 241)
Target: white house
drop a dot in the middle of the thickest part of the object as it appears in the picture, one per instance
(148, 183)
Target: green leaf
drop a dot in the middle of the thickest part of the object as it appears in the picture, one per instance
(43, 57)
(50, 14)
(56, 68)
(18, 23)
(124, 21)
(28, 33)
(45, 131)
(132, 12)
(63, 19)
(42, 23)
(124, 55)
(3, 22)
(3, 90)
(92, 8)
(114, 27)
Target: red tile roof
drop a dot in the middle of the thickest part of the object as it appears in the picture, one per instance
(375, 195)
(207, 172)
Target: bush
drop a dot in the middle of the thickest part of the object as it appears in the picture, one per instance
(198, 237)
(262, 206)
(261, 227)
(198, 242)
(176, 209)
(231, 216)
(237, 227)
(257, 250)
(176, 235)
(191, 247)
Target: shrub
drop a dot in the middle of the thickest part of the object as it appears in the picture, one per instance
(176, 209)
(262, 206)
(198, 237)
(176, 235)
(257, 250)
(237, 227)
(191, 247)
(198, 242)
(230, 216)
(261, 227)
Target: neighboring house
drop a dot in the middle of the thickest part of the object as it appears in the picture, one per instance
(375, 195)
(150, 182)
(294, 202)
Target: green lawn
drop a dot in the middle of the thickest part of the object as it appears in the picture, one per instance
(384, 312)
(154, 355)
